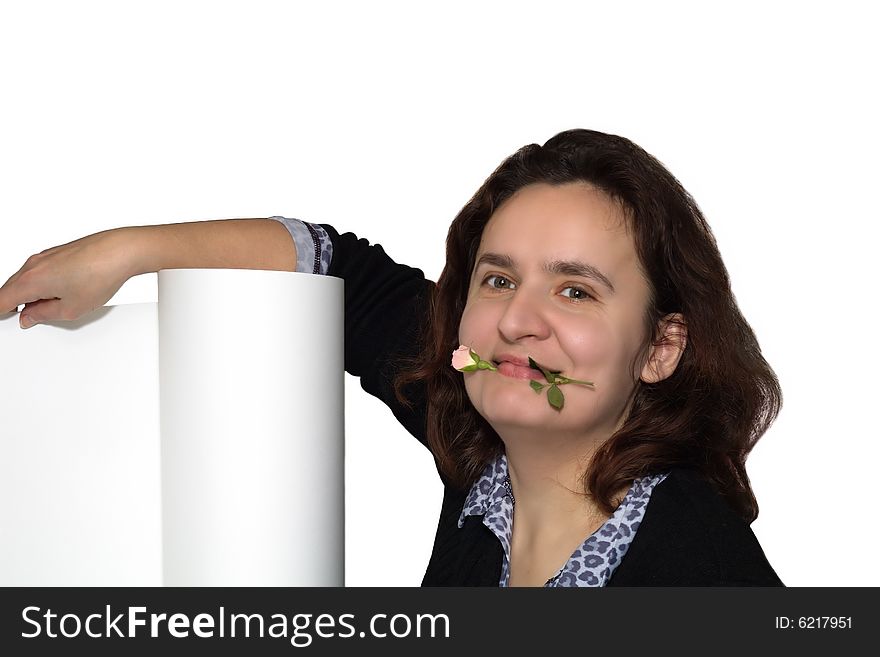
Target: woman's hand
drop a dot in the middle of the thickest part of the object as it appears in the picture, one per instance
(68, 281)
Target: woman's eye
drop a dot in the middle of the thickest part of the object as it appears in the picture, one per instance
(500, 279)
(583, 295)
(496, 282)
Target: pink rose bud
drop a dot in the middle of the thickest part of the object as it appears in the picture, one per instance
(462, 358)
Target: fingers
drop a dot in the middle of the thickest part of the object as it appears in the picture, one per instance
(19, 290)
(11, 293)
(45, 310)
(15, 304)
(6, 298)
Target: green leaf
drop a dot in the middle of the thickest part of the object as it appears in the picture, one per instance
(547, 374)
(537, 387)
(554, 396)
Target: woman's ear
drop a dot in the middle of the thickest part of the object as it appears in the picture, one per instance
(664, 354)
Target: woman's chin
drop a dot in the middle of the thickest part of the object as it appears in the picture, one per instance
(514, 407)
(505, 406)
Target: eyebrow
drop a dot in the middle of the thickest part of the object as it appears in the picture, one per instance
(564, 267)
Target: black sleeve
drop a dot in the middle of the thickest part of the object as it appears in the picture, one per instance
(385, 306)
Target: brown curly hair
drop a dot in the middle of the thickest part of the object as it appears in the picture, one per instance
(707, 415)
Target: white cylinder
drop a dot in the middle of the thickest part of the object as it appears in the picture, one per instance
(251, 408)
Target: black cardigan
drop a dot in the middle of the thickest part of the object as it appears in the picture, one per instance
(689, 536)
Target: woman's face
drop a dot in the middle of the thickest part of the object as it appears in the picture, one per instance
(524, 301)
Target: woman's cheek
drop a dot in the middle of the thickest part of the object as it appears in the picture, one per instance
(471, 386)
(469, 325)
(591, 348)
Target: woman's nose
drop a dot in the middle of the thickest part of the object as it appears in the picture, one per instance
(524, 316)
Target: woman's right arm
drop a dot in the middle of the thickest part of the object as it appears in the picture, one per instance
(386, 305)
(385, 302)
(70, 280)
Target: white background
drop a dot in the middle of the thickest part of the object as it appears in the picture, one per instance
(383, 118)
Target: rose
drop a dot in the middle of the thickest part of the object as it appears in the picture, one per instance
(464, 359)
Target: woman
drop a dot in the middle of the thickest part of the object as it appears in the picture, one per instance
(584, 255)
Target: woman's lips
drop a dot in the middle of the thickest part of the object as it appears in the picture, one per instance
(518, 371)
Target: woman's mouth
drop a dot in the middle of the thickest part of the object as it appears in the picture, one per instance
(519, 371)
